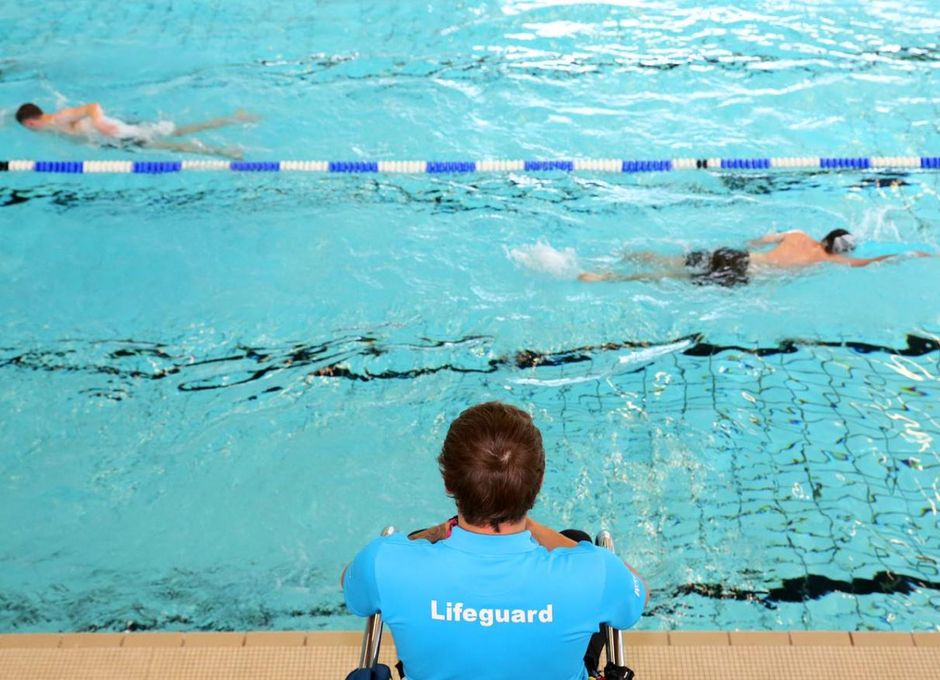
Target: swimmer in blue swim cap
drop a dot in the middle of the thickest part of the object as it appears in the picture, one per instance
(89, 121)
(730, 266)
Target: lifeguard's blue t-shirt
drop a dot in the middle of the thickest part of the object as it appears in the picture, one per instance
(483, 606)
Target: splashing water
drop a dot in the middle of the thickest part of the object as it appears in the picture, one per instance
(542, 257)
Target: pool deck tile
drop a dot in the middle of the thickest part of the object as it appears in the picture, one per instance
(926, 639)
(642, 638)
(819, 638)
(708, 655)
(699, 638)
(275, 639)
(873, 639)
(75, 663)
(30, 640)
(153, 640)
(248, 663)
(92, 640)
(759, 639)
(773, 663)
(328, 638)
(214, 640)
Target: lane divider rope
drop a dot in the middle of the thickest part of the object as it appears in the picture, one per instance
(463, 167)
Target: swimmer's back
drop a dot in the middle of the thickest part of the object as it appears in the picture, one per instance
(794, 249)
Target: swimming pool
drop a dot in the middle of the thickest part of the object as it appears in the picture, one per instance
(215, 388)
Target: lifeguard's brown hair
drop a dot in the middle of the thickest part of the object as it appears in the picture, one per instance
(493, 463)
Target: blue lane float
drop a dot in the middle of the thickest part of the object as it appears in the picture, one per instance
(156, 167)
(646, 166)
(255, 166)
(60, 166)
(449, 167)
(768, 163)
(745, 163)
(548, 166)
(845, 163)
(353, 166)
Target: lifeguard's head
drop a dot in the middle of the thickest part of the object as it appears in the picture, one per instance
(493, 463)
(29, 115)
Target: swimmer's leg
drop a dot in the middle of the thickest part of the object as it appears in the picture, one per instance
(644, 276)
(651, 257)
(232, 152)
(236, 118)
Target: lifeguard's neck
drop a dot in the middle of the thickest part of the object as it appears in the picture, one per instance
(503, 528)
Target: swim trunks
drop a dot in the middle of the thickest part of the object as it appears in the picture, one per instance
(724, 267)
(129, 134)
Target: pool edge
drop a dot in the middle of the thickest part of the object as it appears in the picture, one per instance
(314, 655)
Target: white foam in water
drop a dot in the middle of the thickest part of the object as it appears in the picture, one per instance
(542, 257)
(609, 367)
(651, 353)
(61, 101)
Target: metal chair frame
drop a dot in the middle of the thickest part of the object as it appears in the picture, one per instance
(372, 638)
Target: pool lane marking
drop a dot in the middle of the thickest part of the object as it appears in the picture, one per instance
(357, 167)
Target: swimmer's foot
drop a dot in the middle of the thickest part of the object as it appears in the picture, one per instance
(234, 152)
(590, 276)
(197, 147)
(243, 116)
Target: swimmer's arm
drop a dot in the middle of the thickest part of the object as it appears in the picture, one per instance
(857, 261)
(69, 117)
(100, 122)
(76, 113)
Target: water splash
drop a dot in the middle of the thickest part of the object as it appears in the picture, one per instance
(542, 257)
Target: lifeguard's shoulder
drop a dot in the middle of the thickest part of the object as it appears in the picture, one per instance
(398, 543)
(588, 555)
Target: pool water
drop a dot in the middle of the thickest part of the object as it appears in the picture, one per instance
(214, 388)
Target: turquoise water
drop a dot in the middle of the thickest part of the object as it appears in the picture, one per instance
(213, 389)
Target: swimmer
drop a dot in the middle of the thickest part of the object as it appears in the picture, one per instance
(731, 266)
(90, 121)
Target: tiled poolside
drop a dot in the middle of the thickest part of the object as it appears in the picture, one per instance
(331, 655)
